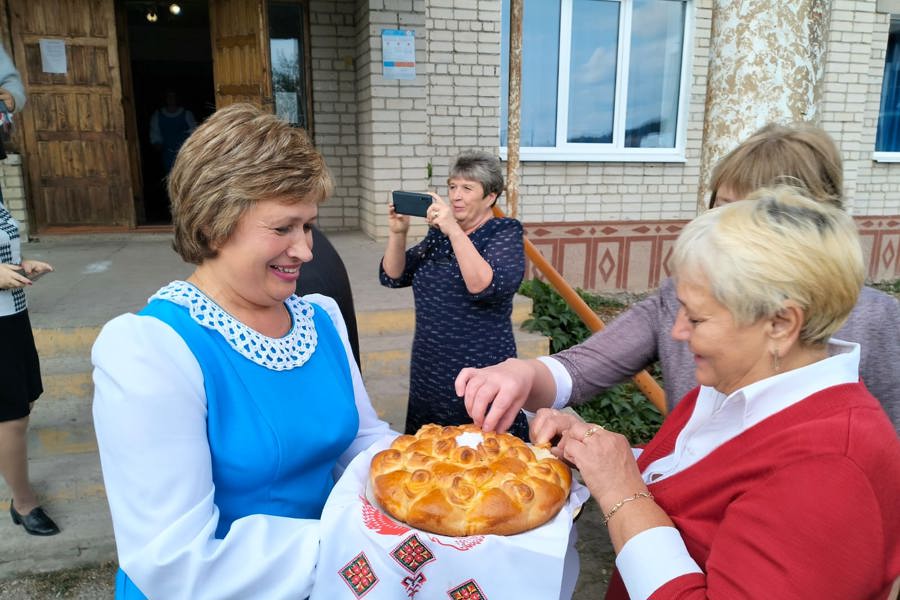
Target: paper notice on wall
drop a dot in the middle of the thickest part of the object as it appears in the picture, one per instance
(53, 56)
(398, 53)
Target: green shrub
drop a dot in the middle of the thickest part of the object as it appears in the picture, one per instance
(622, 408)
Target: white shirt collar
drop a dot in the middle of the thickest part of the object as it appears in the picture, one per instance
(764, 398)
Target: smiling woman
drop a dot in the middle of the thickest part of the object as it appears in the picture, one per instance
(227, 407)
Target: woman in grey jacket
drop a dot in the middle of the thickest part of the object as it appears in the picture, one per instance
(803, 156)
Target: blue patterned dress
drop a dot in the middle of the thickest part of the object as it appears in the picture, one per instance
(455, 328)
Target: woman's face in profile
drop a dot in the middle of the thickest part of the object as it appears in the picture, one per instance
(727, 356)
(470, 205)
(726, 195)
(261, 260)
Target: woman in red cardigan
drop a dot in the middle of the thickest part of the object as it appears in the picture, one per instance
(779, 476)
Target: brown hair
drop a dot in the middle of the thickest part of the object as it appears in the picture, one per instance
(482, 167)
(239, 156)
(800, 155)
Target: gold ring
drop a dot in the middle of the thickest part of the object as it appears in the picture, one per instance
(591, 431)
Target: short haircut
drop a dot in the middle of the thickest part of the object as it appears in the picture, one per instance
(782, 246)
(800, 155)
(239, 156)
(482, 167)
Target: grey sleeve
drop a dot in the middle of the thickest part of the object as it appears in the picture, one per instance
(874, 324)
(627, 345)
(10, 80)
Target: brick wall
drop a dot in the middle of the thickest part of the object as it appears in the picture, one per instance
(12, 184)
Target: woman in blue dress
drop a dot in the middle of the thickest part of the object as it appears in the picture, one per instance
(228, 406)
(464, 275)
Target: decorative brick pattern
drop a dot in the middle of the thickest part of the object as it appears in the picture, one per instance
(633, 255)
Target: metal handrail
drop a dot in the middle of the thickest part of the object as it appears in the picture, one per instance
(643, 380)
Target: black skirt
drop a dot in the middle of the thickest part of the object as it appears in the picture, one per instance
(20, 369)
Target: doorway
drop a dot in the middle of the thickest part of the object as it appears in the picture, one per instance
(171, 74)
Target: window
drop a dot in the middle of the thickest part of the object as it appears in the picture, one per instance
(887, 136)
(288, 44)
(601, 79)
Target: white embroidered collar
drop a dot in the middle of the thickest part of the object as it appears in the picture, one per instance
(277, 354)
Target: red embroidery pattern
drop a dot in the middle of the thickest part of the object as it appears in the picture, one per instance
(358, 575)
(412, 554)
(467, 591)
(378, 522)
(462, 544)
(413, 585)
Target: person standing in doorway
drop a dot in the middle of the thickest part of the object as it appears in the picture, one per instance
(20, 370)
(170, 126)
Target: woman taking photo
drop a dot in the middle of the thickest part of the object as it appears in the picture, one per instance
(226, 408)
(778, 476)
(464, 275)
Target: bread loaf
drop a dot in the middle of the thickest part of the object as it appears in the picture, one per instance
(431, 482)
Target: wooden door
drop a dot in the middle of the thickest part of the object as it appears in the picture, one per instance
(240, 47)
(75, 154)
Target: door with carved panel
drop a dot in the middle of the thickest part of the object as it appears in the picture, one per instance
(75, 153)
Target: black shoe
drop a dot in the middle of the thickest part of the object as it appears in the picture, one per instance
(36, 522)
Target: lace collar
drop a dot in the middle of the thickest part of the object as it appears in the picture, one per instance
(277, 354)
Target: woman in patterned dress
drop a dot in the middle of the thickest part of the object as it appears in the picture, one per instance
(20, 370)
(464, 275)
(228, 406)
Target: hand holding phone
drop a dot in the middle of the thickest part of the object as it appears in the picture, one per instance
(411, 203)
(37, 275)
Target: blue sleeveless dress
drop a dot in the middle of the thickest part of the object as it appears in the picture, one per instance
(275, 432)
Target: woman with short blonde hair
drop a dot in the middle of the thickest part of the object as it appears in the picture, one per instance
(778, 476)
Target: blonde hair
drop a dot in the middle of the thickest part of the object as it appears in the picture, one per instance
(783, 246)
(799, 155)
(239, 156)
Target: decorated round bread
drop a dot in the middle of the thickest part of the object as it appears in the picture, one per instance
(459, 481)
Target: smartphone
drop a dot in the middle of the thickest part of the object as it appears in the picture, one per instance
(411, 203)
(37, 276)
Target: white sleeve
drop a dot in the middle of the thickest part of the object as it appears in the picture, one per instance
(562, 379)
(371, 428)
(652, 558)
(150, 419)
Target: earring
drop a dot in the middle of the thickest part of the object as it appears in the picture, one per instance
(776, 361)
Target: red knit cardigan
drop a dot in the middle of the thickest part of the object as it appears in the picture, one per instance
(805, 504)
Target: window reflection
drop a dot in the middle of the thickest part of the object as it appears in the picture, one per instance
(288, 59)
(592, 71)
(887, 138)
(654, 74)
(540, 64)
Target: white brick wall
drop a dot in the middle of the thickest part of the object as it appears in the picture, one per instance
(877, 186)
(13, 187)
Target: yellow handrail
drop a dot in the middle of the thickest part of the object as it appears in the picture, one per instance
(644, 382)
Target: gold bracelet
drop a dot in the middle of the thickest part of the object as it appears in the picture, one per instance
(623, 502)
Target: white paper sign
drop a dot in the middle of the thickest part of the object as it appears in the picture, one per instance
(398, 53)
(53, 56)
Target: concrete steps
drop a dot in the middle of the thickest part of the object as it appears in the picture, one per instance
(63, 457)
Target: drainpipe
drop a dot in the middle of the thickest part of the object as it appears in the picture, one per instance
(515, 93)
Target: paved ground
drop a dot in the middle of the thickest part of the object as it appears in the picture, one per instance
(98, 277)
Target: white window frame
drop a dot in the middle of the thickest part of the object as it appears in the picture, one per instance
(615, 151)
(885, 157)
